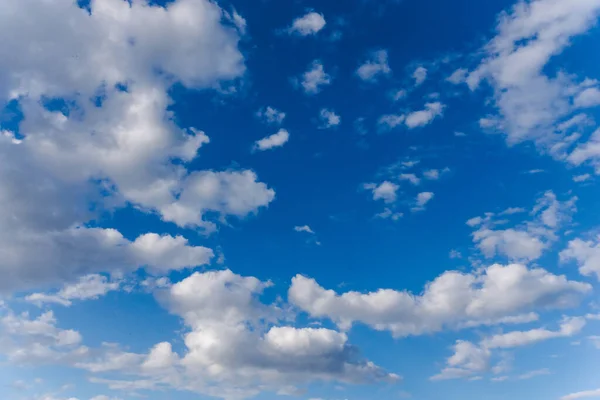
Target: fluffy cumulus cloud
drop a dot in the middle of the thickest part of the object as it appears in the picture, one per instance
(309, 24)
(26, 340)
(275, 140)
(586, 254)
(235, 345)
(526, 241)
(495, 295)
(390, 121)
(62, 165)
(424, 117)
(422, 200)
(86, 288)
(376, 66)
(420, 75)
(414, 119)
(535, 102)
(315, 78)
(329, 118)
(386, 191)
(471, 359)
(271, 115)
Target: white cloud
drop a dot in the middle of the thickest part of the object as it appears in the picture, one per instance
(532, 103)
(385, 191)
(589, 97)
(86, 288)
(459, 76)
(304, 228)
(236, 193)
(27, 341)
(389, 214)
(412, 178)
(315, 78)
(513, 211)
(529, 240)
(271, 115)
(309, 24)
(420, 75)
(455, 254)
(77, 251)
(432, 174)
(582, 395)
(422, 200)
(275, 140)
(235, 346)
(399, 94)
(424, 117)
(375, 67)
(390, 121)
(329, 119)
(473, 359)
(582, 178)
(452, 300)
(468, 359)
(588, 152)
(586, 254)
(229, 344)
(568, 328)
(533, 374)
(126, 150)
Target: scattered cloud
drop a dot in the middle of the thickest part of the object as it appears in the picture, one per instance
(271, 142)
(487, 297)
(471, 359)
(459, 76)
(420, 75)
(315, 78)
(385, 191)
(533, 100)
(529, 240)
(455, 254)
(309, 24)
(533, 374)
(329, 119)
(271, 115)
(421, 201)
(586, 254)
(412, 178)
(582, 395)
(424, 117)
(582, 178)
(376, 66)
(88, 287)
(390, 121)
(387, 213)
(304, 228)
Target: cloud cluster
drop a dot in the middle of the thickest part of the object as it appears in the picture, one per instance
(470, 359)
(97, 134)
(528, 240)
(495, 295)
(236, 346)
(414, 119)
(376, 66)
(309, 24)
(534, 102)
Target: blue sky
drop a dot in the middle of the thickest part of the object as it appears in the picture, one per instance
(285, 199)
